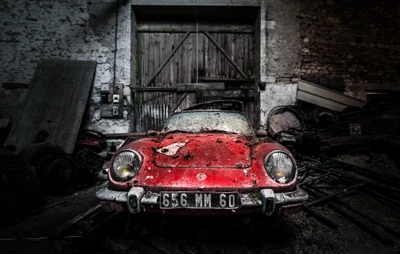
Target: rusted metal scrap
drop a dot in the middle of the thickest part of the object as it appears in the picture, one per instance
(367, 227)
(333, 195)
(89, 164)
(58, 171)
(19, 186)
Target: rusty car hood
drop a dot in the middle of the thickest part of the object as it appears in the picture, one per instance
(182, 169)
(205, 150)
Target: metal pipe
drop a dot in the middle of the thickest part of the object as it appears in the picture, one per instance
(335, 194)
(386, 228)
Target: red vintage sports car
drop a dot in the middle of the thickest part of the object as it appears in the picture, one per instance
(206, 160)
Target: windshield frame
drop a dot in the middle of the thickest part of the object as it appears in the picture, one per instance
(251, 130)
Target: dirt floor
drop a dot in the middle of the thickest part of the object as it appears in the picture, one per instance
(101, 232)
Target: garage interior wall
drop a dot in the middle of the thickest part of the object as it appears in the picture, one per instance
(356, 42)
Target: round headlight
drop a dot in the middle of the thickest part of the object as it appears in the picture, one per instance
(280, 167)
(125, 165)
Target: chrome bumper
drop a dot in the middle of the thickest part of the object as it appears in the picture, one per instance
(137, 197)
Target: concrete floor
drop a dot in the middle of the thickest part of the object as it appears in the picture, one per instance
(100, 232)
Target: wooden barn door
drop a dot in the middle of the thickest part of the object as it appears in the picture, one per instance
(191, 52)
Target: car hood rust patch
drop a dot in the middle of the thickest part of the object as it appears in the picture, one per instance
(172, 149)
(209, 150)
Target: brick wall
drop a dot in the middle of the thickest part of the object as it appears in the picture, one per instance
(356, 40)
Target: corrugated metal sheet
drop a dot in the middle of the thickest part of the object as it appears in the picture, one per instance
(324, 97)
(150, 117)
(55, 103)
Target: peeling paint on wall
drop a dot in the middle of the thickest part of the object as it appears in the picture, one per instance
(276, 95)
(305, 38)
(82, 30)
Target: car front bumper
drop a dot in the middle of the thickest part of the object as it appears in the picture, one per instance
(137, 199)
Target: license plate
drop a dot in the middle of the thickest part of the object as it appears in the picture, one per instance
(175, 200)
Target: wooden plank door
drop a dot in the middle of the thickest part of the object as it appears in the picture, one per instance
(171, 55)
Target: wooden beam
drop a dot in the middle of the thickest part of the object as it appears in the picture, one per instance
(324, 97)
(225, 54)
(171, 54)
(222, 79)
(74, 220)
(186, 87)
(63, 87)
(154, 89)
(196, 3)
(240, 98)
(239, 93)
(183, 28)
(179, 102)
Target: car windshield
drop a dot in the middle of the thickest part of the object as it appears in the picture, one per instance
(209, 121)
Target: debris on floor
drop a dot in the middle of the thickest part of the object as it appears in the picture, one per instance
(353, 208)
(325, 98)
(310, 129)
(19, 185)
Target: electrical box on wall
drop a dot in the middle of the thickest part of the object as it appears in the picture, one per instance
(105, 93)
(112, 101)
(115, 98)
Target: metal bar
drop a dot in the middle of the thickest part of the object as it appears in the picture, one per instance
(207, 3)
(225, 54)
(171, 54)
(355, 177)
(372, 219)
(313, 179)
(365, 179)
(182, 28)
(221, 79)
(323, 187)
(364, 171)
(315, 202)
(304, 176)
(390, 201)
(154, 89)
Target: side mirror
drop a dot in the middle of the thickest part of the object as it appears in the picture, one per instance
(262, 133)
(152, 133)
